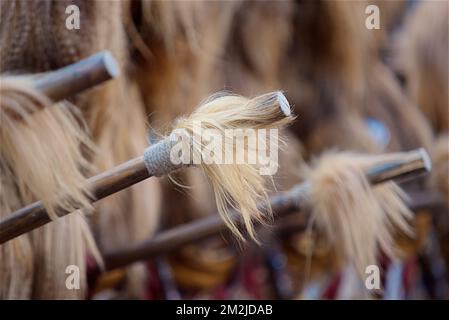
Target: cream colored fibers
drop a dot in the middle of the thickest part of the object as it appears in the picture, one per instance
(42, 156)
(238, 186)
(357, 218)
(42, 145)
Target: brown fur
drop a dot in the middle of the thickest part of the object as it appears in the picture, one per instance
(271, 45)
(391, 16)
(113, 112)
(323, 73)
(313, 50)
(17, 257)
(385, 101)
(255, 46)
(321, 54)
(176, 44)
(440, 159)
(183, 39)
(421, 59)
(42, 158)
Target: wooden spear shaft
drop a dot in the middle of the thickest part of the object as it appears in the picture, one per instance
(156, 160)
(57, 85)
(135, 170)
(100, 186)
(192, 232)
(409, 165)
(77, 77)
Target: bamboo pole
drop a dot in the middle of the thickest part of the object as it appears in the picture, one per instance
(408, 165)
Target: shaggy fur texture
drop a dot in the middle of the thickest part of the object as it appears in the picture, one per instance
(238, 186)
(43, 147)
(255, 46)
(314, 50)
(359, 220)
(182, 40)
(421, 60)
(440, 160)
(42, 157)
(323, 71)
(391, 16)
(329, 65)
(386, 102)
(327, 62)
(113, 112)
(175, 46)
(17, 259)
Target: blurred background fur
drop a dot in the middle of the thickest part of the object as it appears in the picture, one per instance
(352, 89)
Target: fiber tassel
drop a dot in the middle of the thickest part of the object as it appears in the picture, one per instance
(239, 186)
(43, 150)
(358, 219)
(229, 181)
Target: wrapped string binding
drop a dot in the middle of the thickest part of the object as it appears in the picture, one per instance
(237, 185)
